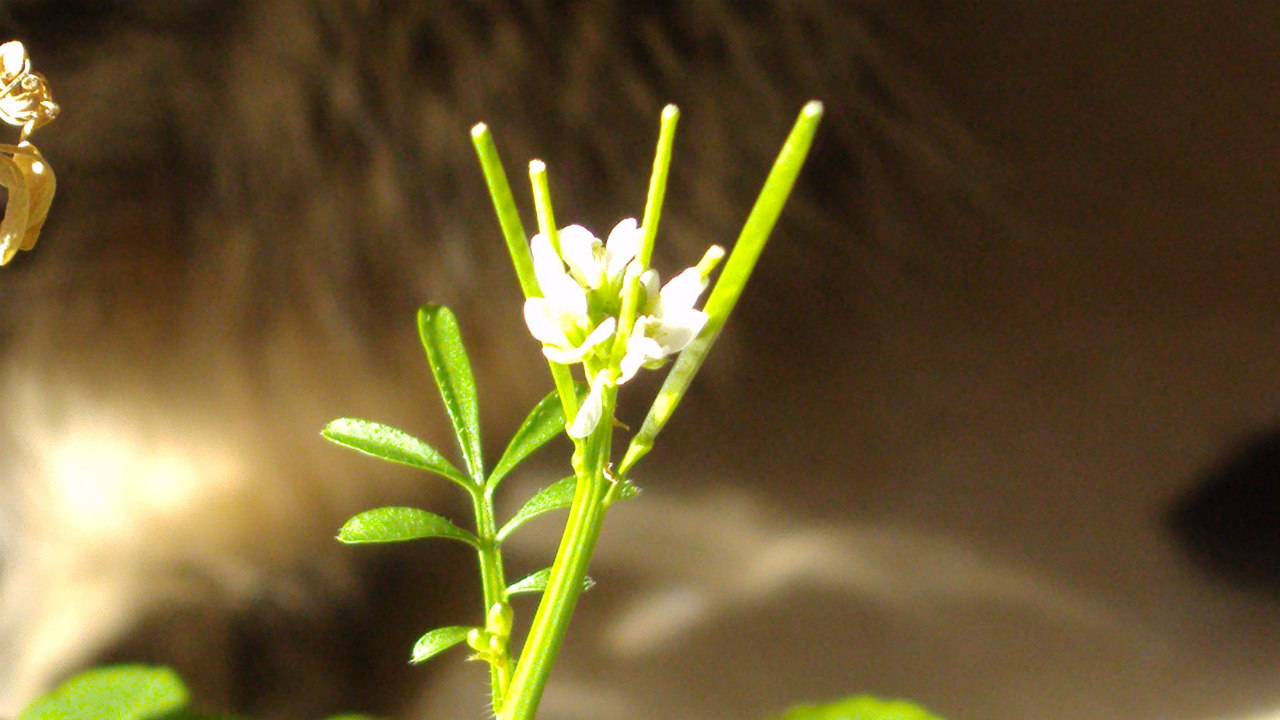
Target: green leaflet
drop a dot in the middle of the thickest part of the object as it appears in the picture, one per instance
(394, 524)
(437, 641)
(544, 422)
(442, 341)
(536, 582)
(388, 443)
(555, 496)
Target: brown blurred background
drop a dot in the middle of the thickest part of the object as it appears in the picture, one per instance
(1024, 303)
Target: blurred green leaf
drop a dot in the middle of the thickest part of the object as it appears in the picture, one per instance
(545, 422)
(861, 707)
(394, 524)
(442, 340)
(536, 582)
(437, 641)
(391, 444)
(122, 692)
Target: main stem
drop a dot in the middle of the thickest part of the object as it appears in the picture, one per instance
(568, 574)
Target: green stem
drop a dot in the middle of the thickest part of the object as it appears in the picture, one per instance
(568, 572)
(504, 203)
(652, 213)
(547, 225)
(494, 585)
(658, 181)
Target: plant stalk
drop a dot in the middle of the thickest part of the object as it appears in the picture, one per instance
(494, 585)
(568, 572)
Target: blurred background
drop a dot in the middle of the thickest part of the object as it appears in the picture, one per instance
(966, 442)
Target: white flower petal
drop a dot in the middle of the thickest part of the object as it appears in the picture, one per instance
(567, 295)
(581, 250)
(567, 354)
(621, 248)
(544, 321)
(564, 354)
(640, 350)
(676, 330)
(681, 292)
(603, 332)
(588, 416)
(556, 285)
(546, 263)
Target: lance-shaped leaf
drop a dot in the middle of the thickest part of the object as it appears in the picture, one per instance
(438, 329)
(557, 495)
(536, 582)
(437, 641)
(391, 444)
(394, 524)
(546, 421)
(126, 692)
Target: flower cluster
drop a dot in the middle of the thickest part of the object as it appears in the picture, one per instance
(584, 284)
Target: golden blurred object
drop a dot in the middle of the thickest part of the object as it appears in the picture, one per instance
(25, 101)
(30, 182)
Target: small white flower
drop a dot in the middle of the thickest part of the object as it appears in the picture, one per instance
(560, 318)
(595, 264)
(668, 322)
(554, 327)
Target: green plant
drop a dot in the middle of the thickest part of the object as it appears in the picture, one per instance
(594, 305)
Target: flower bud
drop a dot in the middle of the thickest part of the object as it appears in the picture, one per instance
(498, 621)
